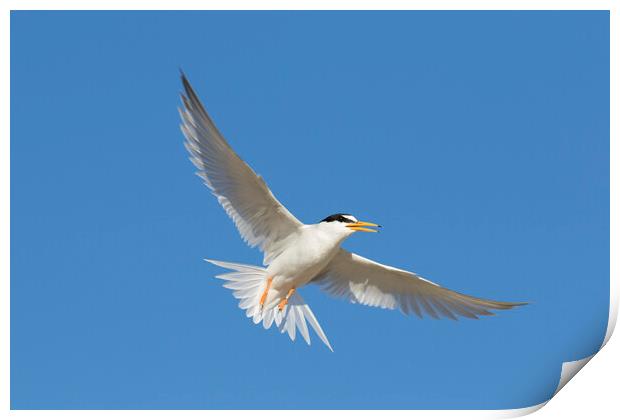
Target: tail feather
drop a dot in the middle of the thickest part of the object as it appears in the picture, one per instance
(304, 312)
(240, 268)
(248, 282)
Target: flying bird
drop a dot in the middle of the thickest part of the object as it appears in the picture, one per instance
(298, 254)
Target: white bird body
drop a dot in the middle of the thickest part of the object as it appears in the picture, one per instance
(309, 251)
(296, 254)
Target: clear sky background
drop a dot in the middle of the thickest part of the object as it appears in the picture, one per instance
(479, 140)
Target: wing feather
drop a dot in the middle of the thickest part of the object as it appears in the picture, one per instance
(260, 218)
(369, 283)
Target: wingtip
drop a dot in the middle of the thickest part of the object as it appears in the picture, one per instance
(187, 88)
(511, 305)
(186, 85)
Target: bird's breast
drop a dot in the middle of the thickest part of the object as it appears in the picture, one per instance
(303, 258)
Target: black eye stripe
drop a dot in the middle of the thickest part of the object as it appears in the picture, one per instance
(338, 217)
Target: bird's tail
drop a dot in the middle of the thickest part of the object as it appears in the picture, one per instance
(248, 283)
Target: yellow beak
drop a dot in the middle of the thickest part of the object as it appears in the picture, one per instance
(359, 226)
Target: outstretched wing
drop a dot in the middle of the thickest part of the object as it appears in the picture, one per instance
(260, 218)
(367, 282)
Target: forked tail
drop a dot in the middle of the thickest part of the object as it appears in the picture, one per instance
(248, 283)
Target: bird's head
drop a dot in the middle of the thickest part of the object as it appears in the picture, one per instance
(348, 224)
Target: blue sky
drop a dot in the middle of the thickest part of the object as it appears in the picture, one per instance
(479, 140)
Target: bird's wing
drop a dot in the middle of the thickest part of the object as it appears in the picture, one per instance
(367, 282)
(260, 218)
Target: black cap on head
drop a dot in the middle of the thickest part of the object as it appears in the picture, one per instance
(339, 217)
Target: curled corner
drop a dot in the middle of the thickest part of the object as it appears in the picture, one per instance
(570, 369)
(613, 316)
(520, 412)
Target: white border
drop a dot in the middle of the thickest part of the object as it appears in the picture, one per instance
(311, 5)
(568, 369)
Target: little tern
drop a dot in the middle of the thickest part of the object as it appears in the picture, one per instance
(297, 254)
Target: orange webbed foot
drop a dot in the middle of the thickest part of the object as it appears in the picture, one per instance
(264, 295)
(284, 300)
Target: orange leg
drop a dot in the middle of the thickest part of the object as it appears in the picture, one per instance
(284, 300)
(264, 295)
